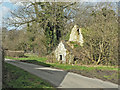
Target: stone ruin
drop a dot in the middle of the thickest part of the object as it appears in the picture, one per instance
(76, 35)
(64, 51)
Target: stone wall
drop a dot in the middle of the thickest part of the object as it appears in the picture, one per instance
(14, 53)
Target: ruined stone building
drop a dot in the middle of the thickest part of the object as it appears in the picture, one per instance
(76, 35)
(64, 51)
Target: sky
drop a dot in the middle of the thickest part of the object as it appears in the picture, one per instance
(6, 6)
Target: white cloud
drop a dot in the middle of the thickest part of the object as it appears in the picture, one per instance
(4, 10)
(19, 4)
(5, 0)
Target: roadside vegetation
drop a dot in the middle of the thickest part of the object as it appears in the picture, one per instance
(15, 77)
(109, 73)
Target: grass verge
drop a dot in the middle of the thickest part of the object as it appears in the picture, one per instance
(15, 77)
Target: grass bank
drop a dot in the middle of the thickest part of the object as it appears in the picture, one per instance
(15, 77)
(108, 73)
(42, 61)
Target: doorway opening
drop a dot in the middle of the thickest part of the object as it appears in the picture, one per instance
(78, 31)
(60, 57)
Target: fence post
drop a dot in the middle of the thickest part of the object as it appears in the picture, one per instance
(1, 66)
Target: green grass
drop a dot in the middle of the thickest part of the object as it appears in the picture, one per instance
(42, 61)
(9, 57)
(106, 76)
(18, 78)
(76, 67)
(76, 45)
(110, 77)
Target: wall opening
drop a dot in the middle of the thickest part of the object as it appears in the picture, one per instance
(60, 57)
(78, 31)
(75, 59)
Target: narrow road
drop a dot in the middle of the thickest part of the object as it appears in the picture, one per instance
(62, 79)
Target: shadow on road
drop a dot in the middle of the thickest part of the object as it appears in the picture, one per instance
(54, 76)
(36, 62)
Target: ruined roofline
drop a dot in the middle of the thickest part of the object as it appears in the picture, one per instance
(66, 45)
(76, 35)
